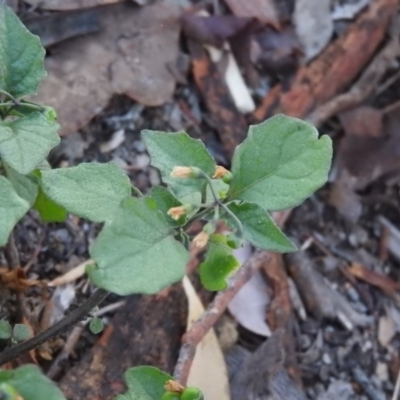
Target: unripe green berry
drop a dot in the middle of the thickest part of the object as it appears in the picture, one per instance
(171, 396)
(192, 393)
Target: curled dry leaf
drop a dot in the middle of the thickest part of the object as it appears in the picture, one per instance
(16, 279)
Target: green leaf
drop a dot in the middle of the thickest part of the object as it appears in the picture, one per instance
(96, 325)
(12, 209)
(21, 332)
(21, 56)
(144, 383)
(27, 141)
(165, 200)
(136, 252)
(218, 264)
(259, 228)
(169, 150)
(31, 384)
(26, 186)
(90, 190)
(280, 164)
(5, 330)
(48, 210)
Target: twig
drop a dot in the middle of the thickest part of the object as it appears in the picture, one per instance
(70, 320)
(214, 311)
(361, 89)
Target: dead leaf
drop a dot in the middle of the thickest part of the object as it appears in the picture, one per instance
(130, 56)
(389, 286)
(208, 371)
(314, 26)
(55, 28)
(213, 30)
(264, 10)
(62, 5)
(386, 330)
(15, 279)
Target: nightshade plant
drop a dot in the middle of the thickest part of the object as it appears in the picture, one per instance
(143, 245)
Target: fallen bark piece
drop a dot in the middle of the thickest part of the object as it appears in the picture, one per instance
(321, 300)
(146, 331)
(334, 69)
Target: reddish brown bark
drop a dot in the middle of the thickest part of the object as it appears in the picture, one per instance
(334, 69)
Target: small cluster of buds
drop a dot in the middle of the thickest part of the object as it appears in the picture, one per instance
(193, 172)
(177, 212)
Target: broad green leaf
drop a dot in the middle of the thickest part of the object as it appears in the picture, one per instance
(218, 264)
(280, 163)
(165, 200)
(90, 190)
(27, 141)
(26, 186)
(136, 252)
(169, 150)
(31, 384)
(12, 209)
(96, 325)
(259, 228)
(21, 56)
(48, 210)
(144, 383)
(5, 330)
(21, 332)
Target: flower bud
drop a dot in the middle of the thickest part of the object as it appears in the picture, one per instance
(177, 212)
(222, 173)
(173, 386)
(201, 239)
(185, 172)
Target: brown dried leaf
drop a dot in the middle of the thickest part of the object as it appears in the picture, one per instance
(130, 56)
(15, 279)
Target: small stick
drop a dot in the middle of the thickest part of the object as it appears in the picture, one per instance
(61, 326)
(214, 311)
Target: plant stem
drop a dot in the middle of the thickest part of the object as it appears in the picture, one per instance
(238, 223)
(137, 191)
(28, 105)
(61, 326)
(10, 96)
(214, 311)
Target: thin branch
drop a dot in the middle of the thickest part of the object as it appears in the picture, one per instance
(61, 326)
(214, 311)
